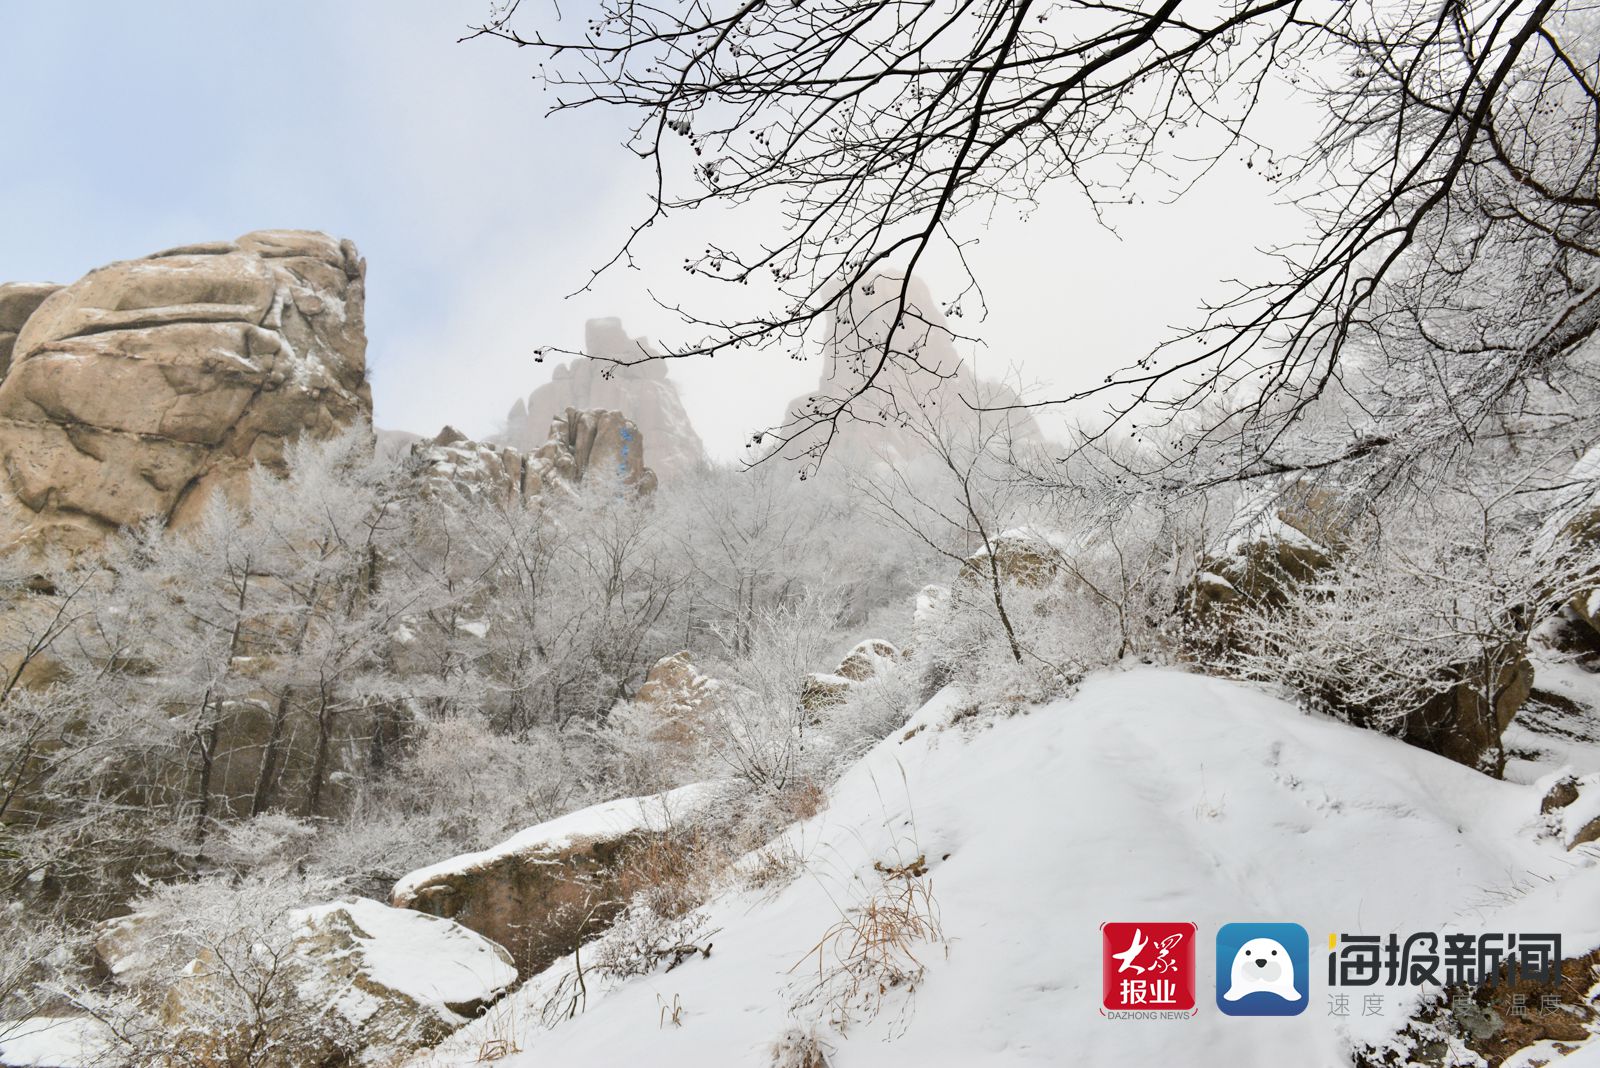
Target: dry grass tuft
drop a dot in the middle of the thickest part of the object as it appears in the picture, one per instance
(876, 947)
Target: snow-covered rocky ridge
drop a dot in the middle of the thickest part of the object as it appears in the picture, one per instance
(1150, 795)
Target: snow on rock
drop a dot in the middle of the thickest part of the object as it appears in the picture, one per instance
(1571, 806)
(868, 659)
(679, 696)
(451, 463)
(434, 962)
(872, 659)
(1150, 795)
(519, 893)
(609, 819)
(56, 1042)
(589, 444)
(1025, 555)
(1558, 727)
(395, 981)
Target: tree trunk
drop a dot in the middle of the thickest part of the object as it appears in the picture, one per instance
(206, 740)
(319, 762)
(265, 779)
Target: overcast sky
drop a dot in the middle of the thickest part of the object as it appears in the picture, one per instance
(132, 127)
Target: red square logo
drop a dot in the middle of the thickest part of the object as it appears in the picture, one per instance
(1147, 967)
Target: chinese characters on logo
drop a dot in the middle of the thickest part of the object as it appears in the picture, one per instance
(1449, 960)
(1147, 969)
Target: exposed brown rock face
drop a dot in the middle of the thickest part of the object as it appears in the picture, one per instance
(681, 700)
(147, 385)
(556, 885)
(18, 300)
(1465, 723)
(586, 446)
(642, 393)
(1024, 557)
(1506, 1019)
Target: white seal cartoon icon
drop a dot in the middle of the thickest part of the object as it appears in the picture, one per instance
(1262, 965)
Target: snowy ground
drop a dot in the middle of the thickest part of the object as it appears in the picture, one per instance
(1151, 795)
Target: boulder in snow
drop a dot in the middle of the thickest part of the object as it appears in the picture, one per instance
(1023, 556)
(391, 981)
(868, 660)
(679, 698)
(555, 885)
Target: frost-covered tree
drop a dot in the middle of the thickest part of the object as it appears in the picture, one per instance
(761, 728)
(575, 594)
(1451, 195)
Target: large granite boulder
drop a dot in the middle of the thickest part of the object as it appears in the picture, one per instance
(869, 660)
(591, 446)
(147, 385)
(1279, 546)
(1275, 543)
(642, 392)
(1466, 722)
(1022, 556)
(555, 885)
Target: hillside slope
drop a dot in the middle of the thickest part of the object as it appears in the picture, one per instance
(1151, 795)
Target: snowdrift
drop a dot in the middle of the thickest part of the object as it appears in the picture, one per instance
(1150, 795)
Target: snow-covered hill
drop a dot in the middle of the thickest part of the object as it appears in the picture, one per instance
(1151, 795)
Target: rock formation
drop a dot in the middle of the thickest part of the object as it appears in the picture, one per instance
(821, 691)
(680, 699)
(390, 982)
(1571, 809)
(147, 385)
(1024, 556)
(888, 412)
(642, 393)
(1287, 539)
(582, 447)
(554, 885)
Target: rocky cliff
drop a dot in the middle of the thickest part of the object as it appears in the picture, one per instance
(147, 385)
(642, 393)
(581, 447)
(928, 376)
